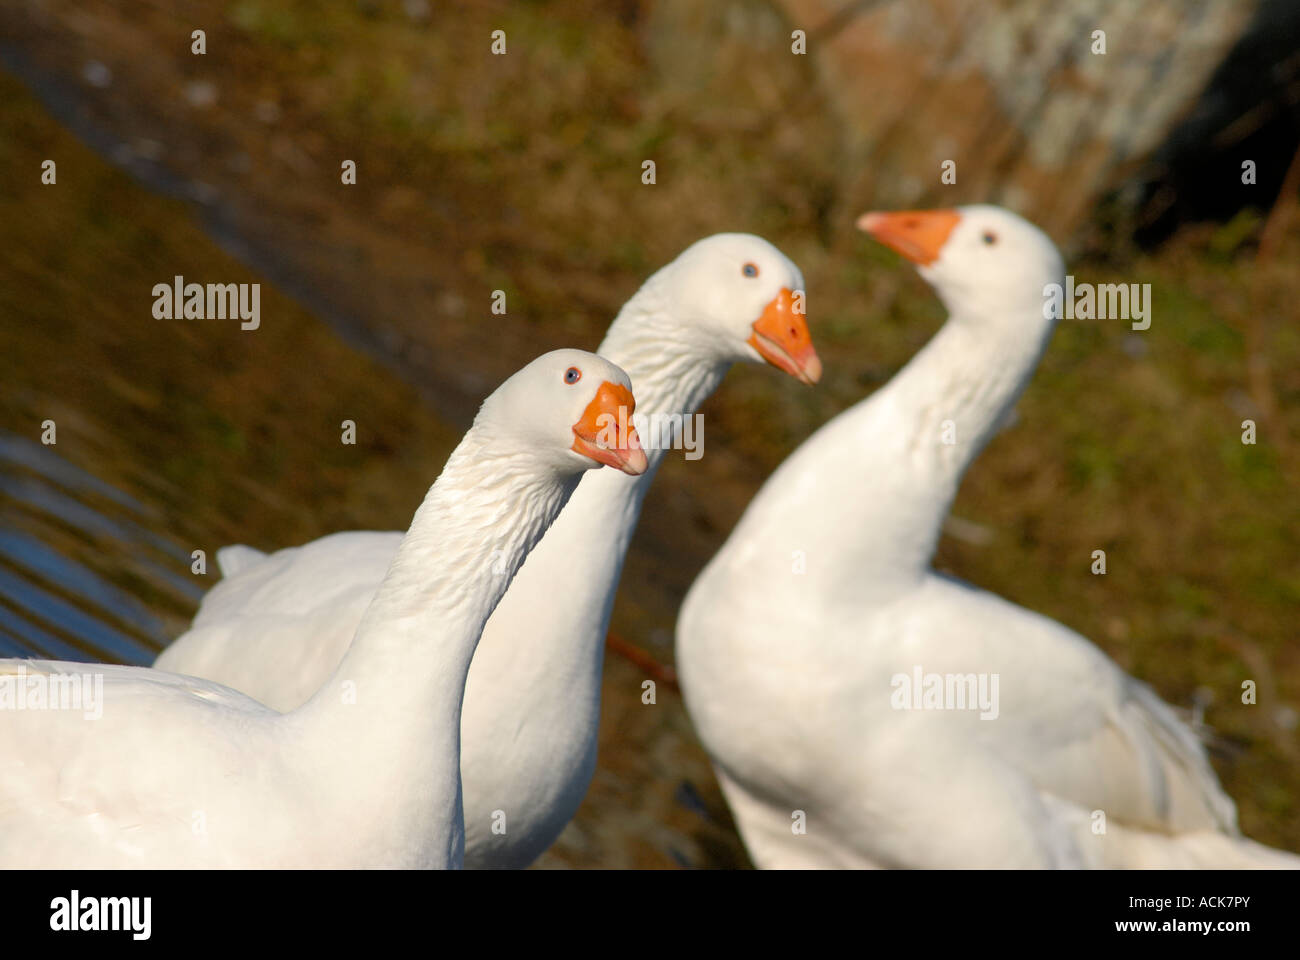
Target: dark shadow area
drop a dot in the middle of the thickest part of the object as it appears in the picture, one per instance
(1250, 110)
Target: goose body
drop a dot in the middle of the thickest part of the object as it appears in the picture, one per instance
(175, 771)
(277, 625)
(805, 647)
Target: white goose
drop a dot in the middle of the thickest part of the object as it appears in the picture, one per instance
(793, 644)
(179, 772)
(277, 625)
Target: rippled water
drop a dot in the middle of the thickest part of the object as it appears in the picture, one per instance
(52, 604)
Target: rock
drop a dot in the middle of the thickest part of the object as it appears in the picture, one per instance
(1012, 92)
(416, 10)
(97, 74)
(201, 93)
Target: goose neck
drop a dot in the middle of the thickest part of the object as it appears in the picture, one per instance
(411, 652)
(673, 366)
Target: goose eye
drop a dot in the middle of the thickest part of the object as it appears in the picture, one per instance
(572, 375)
(990, 238)
(750, 270)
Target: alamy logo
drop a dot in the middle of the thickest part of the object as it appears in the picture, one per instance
(20, 690)
(1106, 301)
(657, 431)
(73, 913)
(945, 691)
(213, 301)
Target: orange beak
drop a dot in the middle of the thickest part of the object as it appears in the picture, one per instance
(781, 338)
(918, 235)
(605, 432)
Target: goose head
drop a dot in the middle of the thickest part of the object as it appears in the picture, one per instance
(571, 409)
(981, 259)
(740, 298)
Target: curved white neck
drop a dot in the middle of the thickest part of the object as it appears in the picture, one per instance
(581, 557)
(412, 650)
(672, 375)
(865, 497)
(673, 364)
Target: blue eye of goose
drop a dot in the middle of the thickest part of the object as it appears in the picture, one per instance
(572, 375)
(750, 270)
